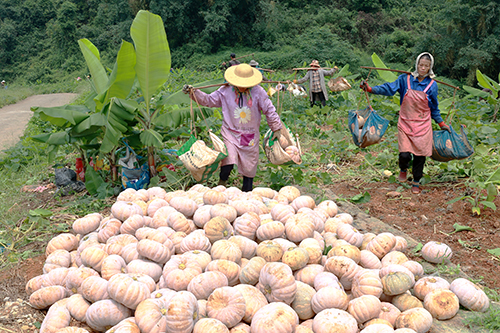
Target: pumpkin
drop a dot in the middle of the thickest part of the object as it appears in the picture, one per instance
(182, 313)
(195, 241)
(229, 268)
(275, 317)
(349, 251)
(179, 271)
(302, 301)
(67, 242)
(145, 266)
(277, 282)
(406, 301)
(394, 257)
(364, 308)
(442, 304)
(224, 210)
(296, 258)
(72, 329)
(160, 218)
(108, 229)
(329, 207)
(56, 318)
(210, 325)
(334, 320)
(299, 227)
(308, 273)
(303, 201)
(156, 192)
(270, 230)
(313, 249)
(389, 312)
(36, 283)
(270, 250)
(154, 251)
(87, 224)
(377, 328)
(436, 252)
(95, 288)
(111, 265)
(150, 314)
(202, 215)
(350, 234)
(130, 225)
(251, 272)
(115, 244)
(201, 257)
(122, 210)
(218, 228)
(104, 314)
(401, 244)
(184, 205)
(290, 192)
(179, 222)
(241, 328)
(396, 268)
(369, 260)
(331, 224)
(366, 282)
(325, 279)
(77, 306)
(226, 304)
(470, 295)
(212, 197)
(247, 246)
(282, 213)
(381, 244)
(366, 239)
(128, 290)
(427, 284)
(396, 283)
(93, 257)
(418, 319)
(201, 286)
(344, 268)
(57, 259)
(46, 296)
(246, 206)
(224, 249)
(75, 278)
(155, 204)
(127, 325)
(246, 225)
(254, 300)
(329, 297)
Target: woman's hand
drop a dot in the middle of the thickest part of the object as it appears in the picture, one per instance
(187, 88)
(364, 85)
(444, 127)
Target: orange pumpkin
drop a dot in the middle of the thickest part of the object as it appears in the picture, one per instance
(418, 319)
(442, 304)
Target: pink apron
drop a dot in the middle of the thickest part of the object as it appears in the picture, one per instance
(414, 125)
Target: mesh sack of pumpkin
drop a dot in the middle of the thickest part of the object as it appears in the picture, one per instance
(447, 146)
(201, 160)
(367, 126)
(338, 84)
(285, 149)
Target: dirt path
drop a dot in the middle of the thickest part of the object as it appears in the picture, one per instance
(15, 117)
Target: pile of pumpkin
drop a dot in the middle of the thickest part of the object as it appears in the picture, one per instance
(220, 260)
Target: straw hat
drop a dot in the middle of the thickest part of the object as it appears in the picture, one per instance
(243, 76)
(314, 63)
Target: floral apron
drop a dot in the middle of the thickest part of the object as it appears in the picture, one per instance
(414, 124)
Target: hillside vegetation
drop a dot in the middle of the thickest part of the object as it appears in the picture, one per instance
(38, 38)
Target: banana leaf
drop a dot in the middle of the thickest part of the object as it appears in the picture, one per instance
(123, 74)
(91, 54)
(153, 54)
(62, 116)
(385, 75)
(176, 117)
(118, 113)
(93, 123)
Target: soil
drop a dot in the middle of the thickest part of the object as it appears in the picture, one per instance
(423, 217)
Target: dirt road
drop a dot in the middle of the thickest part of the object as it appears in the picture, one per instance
(15, 117)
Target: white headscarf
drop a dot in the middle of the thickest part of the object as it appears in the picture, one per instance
(430, 73)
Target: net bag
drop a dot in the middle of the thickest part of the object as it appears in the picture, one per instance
(367, 127)
(338, 84)
(201, 160)
(448, 146)
(285, 150)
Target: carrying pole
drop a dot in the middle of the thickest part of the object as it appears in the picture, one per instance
(406, 72)
(307, 68)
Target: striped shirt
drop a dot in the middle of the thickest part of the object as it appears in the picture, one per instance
(315, 81)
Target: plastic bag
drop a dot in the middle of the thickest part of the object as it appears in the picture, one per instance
(448, 146)
(132, 174)
(367, 127)
(201, 160)
(286, 150)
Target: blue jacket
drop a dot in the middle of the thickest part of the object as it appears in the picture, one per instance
(390, 88)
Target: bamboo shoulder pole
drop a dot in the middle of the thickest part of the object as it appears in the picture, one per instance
(307, 68)
(406, 72)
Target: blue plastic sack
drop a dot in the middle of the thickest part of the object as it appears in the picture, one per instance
(133, 174)
(448, 146)
(367, 127)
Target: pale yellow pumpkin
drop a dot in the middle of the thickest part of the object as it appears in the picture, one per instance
(108, 229)
(195, 241)
(150, 314)
(93, 257)
(406, 301)
(296, 258)
(246, 225)
(270, 251)
(247, 246)
(366, 282)
(75, 278)
(153, 250)
(122, 210)
(369, 260)
(155, 204)
(364, 308)
(270, 230)
(182, 313)
(328, 206)
(115, 244)
(349, 251)
(111, 265)
(350, 234)
(290, 192)
(202, 215)
(57, 259)
(277, 283)
(325, 279)
(184, 205)
(470, 295)
(381, 244)
(201, 257)
(389, 312)
(282, 213)
(329, 297)
(130, 225)
(57, 317)
(436, 252)
(299, 227)
(145, 266)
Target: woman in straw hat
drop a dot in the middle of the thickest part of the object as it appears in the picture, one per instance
(242, 102)
(317, 87)
(419, 104)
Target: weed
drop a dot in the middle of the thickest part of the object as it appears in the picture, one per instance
(489, 320)
(447, 269)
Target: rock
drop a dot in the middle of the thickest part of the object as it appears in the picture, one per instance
(393, 194)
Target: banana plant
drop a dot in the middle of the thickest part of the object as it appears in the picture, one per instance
(487, 83)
